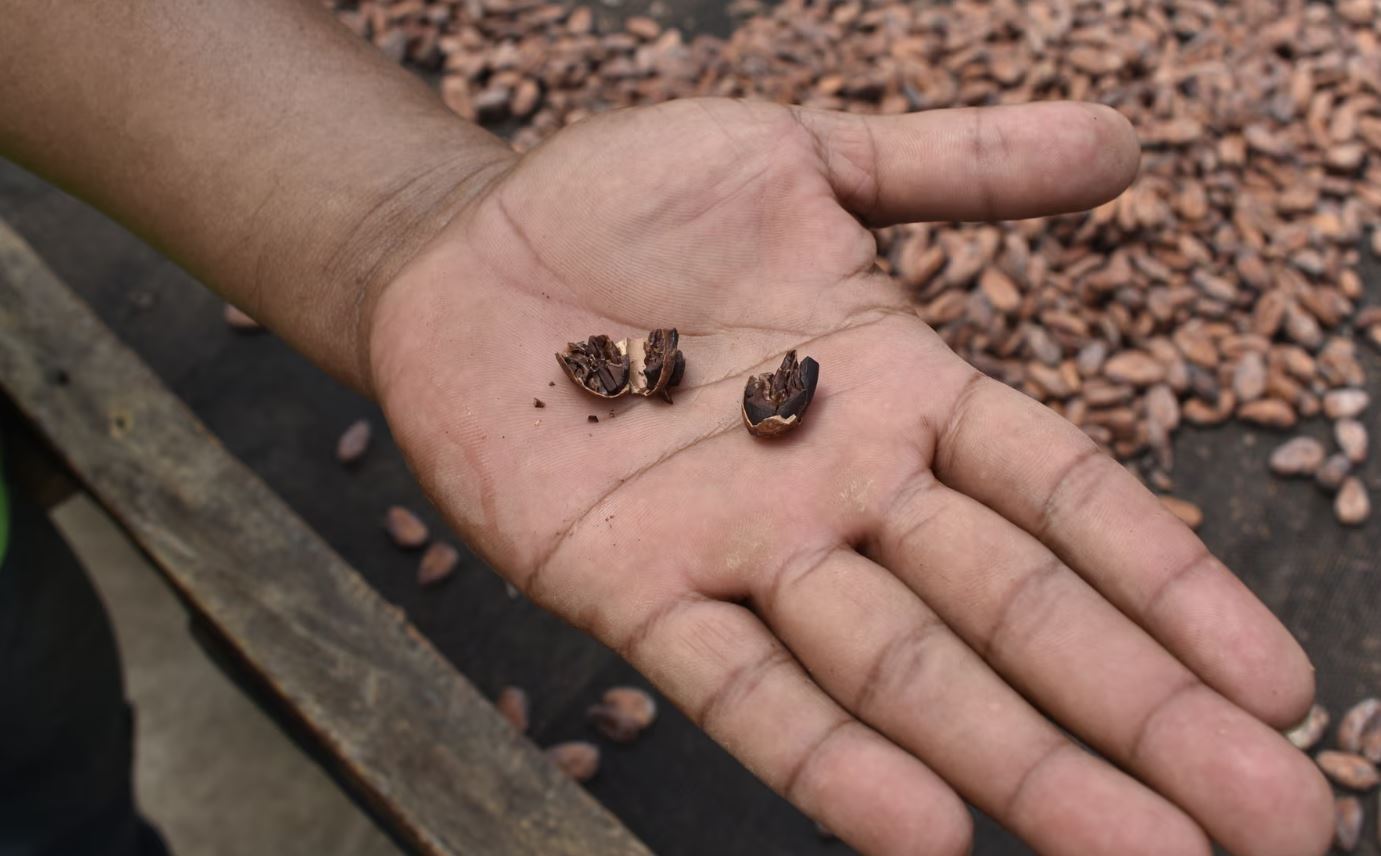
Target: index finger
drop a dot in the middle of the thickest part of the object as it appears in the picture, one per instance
(1045, 475)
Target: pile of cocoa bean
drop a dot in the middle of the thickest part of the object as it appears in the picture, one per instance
(1351, 767)
(1223, 285)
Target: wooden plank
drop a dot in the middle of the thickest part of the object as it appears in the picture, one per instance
(420, 743)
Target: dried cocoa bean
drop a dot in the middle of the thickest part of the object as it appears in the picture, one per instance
(1352, 506)
(438, 563)
(1345, 403)
(405, 528)
(512, 705)
(354, 442)
(1330, 476)
(1352, 439)
(1355, 722)
(577, 759)
(1347, 812)
(1301, 456)
(1349, 770)
(1185, 510)
(623, 713)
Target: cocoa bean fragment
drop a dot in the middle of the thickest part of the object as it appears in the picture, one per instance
(775, 402)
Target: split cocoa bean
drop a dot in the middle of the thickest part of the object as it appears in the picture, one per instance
(776, 402)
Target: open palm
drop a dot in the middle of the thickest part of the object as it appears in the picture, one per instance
(917, 595)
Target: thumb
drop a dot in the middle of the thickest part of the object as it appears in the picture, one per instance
(988, 163)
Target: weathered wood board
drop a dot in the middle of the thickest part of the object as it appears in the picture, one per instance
(420, 743)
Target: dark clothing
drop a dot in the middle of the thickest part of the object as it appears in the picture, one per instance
(66, 733)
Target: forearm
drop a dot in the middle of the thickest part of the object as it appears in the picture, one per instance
(257, 142)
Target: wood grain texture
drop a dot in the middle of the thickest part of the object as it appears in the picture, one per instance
(422, 745)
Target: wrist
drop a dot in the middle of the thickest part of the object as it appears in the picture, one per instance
(416, 202)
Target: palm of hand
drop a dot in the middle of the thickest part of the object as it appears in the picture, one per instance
(732, 570)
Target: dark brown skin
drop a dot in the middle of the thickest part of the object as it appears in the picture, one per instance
(943, 582)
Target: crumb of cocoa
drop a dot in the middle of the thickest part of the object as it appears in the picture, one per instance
(592, 418)
(537, 402)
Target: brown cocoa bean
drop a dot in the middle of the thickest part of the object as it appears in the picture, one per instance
(1345, 403)
(1186, 511)
(1135, 367)
(1268, 412)
(1347, 827)
(1331, 474)
(354, 442)
(1301, 456)
(1352, 506)
(1355, 721)
(1349, 770)
(438, 563)
(512, 705)
(1352, 439)
(623, 713)
(577, 759)
(405, 528)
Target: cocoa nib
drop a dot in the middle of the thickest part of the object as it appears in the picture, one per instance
(775, 402)
(598, 364)
(663, 364)
(610, 369)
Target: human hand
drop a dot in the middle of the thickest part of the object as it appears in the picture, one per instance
(905, 600)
